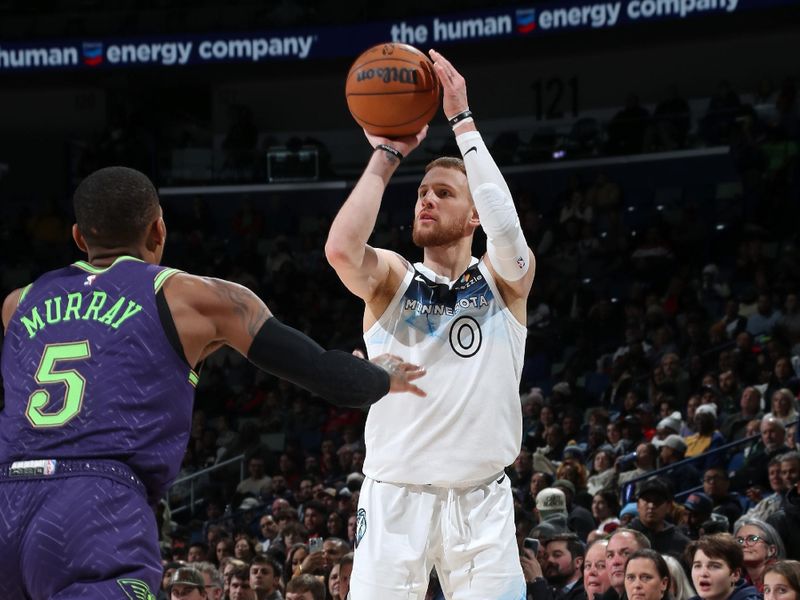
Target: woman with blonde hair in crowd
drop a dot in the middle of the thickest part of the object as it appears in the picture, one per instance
(761, 546)
(782, 581)
(680, 588)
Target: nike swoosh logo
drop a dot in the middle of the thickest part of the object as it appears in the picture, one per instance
(471, 149)
(501, 479)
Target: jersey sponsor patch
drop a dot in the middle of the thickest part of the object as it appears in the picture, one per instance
(27, 468)
(361, 525)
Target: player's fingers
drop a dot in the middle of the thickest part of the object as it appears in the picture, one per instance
(413, 374)
(416, 391)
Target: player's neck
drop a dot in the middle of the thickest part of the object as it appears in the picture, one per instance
(103, 257)
(449, 261)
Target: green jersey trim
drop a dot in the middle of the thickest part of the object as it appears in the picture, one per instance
(90, 268)
(162, 277)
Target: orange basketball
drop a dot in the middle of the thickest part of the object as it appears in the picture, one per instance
(392, 90)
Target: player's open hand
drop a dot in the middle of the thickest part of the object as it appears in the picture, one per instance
(401, 373)
(454, 86)
(404, 145)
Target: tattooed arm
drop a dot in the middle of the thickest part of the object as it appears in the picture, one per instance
(209, 313)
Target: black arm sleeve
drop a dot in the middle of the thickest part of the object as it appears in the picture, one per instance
(337, 376)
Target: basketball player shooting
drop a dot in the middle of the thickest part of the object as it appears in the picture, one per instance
(98, 368)
(435, 493)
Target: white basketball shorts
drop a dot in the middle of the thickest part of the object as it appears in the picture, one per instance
(468, 534)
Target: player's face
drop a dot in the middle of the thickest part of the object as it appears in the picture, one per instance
(444, 208)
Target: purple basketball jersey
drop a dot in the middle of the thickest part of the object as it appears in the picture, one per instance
(90, 373)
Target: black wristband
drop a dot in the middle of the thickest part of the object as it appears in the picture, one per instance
(460, 117)
(390, 150)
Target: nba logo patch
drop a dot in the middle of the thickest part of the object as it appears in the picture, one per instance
(361, 525)
(92, 53)
(526, 20)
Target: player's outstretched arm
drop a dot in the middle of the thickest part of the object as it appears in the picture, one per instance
(210, 312)
(363, 269)
(508, 254)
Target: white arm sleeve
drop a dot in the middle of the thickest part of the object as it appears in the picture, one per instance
(506, 244)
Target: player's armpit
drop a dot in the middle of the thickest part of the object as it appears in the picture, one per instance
(209, 311)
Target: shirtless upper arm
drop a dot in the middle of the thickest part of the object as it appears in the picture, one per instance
(209, 313)
(10, 305)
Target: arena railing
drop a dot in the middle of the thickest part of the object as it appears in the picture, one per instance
(194, 484)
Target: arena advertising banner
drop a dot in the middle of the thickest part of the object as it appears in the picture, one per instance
(326, 42)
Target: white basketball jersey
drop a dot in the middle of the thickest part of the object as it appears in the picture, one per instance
(469, 426)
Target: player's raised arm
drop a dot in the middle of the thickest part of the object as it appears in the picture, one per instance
(508, 253)
(210, 312)
(363, 269)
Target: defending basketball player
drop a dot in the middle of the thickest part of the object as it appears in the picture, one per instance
(435, 493)
(98, 368)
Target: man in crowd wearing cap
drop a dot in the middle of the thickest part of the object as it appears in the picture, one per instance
(655, 505)
(187, 584)
(698, 506)
(754, 473)
(668, 426)
(716, 485)
(621, 544)
(579, 519)
(551, 508)
(735, 426)
(672, 450)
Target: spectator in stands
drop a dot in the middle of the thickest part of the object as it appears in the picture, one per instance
(627, 128)
(716, 565)
(551, 507)
(761, 546)
(782, 581)
(707, 437)
(563, 569)
(595, 573)
(644, 461)
(680, 588)
(621, 544)
(294, 558)
(579, 519)
(647, 576)
(750, 408)
(671, 123)
(673, 450)
(314, 519)
(239, 587)
(782, 377)
(187, 582)
(716, 486)
(655, 505)
(333, 549)
(698, 507)
(198, 552)
(754, 472)
(790, 469)
(769, 503)
(166, 577)
(603, 474)
(229, 566)
(244, 549)
(212, 579)
(522, 468)
(787, 520)
(783, 406)
(764, 319)
(256, 479)
(605, 508)
(265, 577)
(305, 587)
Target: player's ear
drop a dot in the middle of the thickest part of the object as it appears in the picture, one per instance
(80, 241)
(156, 234)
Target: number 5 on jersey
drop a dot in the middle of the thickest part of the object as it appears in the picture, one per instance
(47, 374)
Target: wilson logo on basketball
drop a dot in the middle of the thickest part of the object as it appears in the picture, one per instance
(389, 74)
